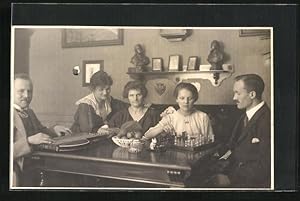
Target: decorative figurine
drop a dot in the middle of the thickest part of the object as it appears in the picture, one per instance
(140, 60)
(216, 56)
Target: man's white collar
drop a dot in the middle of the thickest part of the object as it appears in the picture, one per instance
(250, 113)
(19, 108)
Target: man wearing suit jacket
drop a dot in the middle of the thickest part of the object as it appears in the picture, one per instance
(245, 161)
(247, 158)
(28, 130)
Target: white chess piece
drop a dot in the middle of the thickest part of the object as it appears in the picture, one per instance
(153, 143)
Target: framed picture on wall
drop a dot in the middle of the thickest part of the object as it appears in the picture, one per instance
(89, 68)
(254, 32)
(91, 37)
(174, 63)
(157, 64)
(192, 63)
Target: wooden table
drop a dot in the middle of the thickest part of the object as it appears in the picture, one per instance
(104, 159)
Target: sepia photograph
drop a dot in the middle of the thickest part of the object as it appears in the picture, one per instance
(193, 63)
(157, 64)
(89, 69)
(174, 63)
(94, 122)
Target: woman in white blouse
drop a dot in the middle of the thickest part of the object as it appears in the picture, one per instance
(186, 120)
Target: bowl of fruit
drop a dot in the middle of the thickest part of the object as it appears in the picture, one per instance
(129, 132)
(122, 142)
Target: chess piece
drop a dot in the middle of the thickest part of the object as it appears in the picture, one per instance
(175, 140)
(140, 60)
(216, 56)
(153, 143)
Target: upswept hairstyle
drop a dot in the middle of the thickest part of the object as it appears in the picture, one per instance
(101, 79)
(137, 85)
(187, 86)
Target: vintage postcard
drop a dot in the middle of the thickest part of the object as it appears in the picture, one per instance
(90, 108)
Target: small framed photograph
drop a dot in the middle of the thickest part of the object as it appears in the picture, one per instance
(157, 64)
(174, 63)
(89, 68)
(192, 63)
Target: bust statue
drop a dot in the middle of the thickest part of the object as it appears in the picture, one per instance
(140, 60)
(216, 56)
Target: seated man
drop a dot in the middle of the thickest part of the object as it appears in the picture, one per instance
(245, 161)
(28, 130)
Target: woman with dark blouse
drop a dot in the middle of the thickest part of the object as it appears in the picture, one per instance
(97, 108)
(146, 116)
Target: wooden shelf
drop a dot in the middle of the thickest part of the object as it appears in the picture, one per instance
(215, 76)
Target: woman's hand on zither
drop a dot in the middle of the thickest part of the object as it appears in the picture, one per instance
(104, 131)
(62, 130)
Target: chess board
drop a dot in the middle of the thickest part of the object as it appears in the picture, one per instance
(183, 142)
(191, 144)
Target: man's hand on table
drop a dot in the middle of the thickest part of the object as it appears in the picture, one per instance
(39, 138)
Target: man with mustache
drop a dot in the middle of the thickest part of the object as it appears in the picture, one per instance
(245, 160)
(28, 130)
